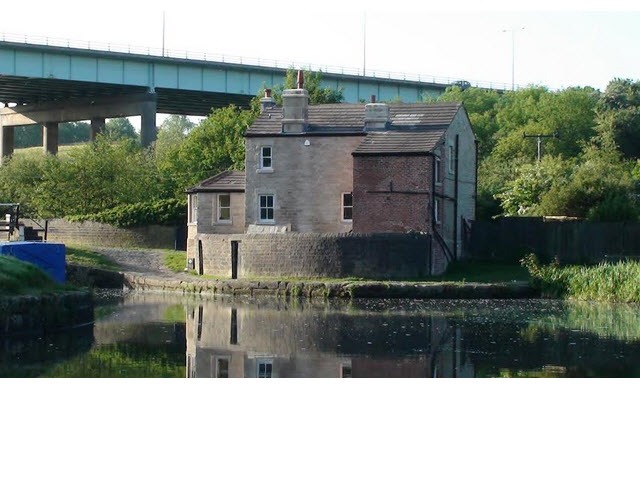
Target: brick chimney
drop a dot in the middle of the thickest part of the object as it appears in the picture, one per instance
(267, 101)
(376, 115)
(295, 108)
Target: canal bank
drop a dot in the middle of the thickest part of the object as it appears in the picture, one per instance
(48, 311)
(330, 289)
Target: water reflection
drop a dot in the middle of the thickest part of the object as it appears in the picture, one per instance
(270, 339)
(147, 335)
(263, 340)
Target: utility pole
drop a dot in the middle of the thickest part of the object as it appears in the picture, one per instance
(364, 45)
(513, 54)
(539, 137)
(163, 30)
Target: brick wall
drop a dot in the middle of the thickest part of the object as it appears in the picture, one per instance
(390, 255)
(104, 235)
(396, 210)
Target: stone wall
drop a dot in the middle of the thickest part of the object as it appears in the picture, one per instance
(207, 221)
(104, 235)
(387, 255)
(307, 181)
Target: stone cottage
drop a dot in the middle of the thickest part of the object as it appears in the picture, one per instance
(340, 190)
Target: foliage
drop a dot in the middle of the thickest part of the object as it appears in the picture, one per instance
(160, 212)
(68, 133)
(120, 129)
(619, 282)
(18, 277)
(213, 146)
(90, 179)
(121, 361)
(589, 170)
(523, 194)
(618, 113)
(312, 83)
(592, 189)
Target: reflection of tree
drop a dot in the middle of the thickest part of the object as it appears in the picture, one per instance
(123, 361)
(617, 321)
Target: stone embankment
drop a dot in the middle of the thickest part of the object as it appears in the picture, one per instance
(343, 289)
(34, 313)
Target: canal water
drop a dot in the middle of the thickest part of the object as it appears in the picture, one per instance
(155, 335)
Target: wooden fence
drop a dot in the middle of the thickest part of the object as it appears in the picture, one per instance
(509, 239)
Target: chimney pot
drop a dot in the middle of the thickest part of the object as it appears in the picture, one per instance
(267, 101)
(300, 80)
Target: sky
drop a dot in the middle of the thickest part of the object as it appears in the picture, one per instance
(557, 47)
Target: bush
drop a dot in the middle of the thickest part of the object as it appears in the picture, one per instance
(161, 212)
(618, 282)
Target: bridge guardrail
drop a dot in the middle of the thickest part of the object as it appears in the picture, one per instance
(241, 60)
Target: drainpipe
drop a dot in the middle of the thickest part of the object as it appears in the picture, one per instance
(433, 210)
(475, 210)
(455, 202)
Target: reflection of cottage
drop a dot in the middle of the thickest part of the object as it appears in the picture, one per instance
(382, 173)
(269, 341)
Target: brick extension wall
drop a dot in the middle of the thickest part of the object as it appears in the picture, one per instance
(104, 235)
(334, 255)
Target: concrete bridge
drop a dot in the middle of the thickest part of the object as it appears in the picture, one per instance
(52, 84)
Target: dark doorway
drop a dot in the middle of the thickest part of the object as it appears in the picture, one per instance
(234, 259)
(200, 259)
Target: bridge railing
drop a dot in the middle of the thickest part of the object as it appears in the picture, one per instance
(241, 60)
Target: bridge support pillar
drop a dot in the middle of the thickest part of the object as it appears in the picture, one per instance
(148, 131)
(50, 138)
(97, 127)
(6, 141)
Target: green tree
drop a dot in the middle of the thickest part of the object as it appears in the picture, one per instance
(618, 114)
(312, 83)
(214, 145)
(120, 128)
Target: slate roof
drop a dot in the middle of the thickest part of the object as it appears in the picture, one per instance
(229, 181)
(395, 142)
(413, 127)
(349, 117)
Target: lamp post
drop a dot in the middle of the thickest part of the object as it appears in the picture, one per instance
(513, 54)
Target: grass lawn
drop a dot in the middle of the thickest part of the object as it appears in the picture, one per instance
(89, 258)
(17, 277)
(175, 261)
(484, 272)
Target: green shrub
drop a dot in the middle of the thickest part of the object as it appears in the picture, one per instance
(609, 282)
(161, 212)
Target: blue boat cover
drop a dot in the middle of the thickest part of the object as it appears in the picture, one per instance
(50, 257)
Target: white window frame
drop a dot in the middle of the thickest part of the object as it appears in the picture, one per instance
(267, 221)
(438, 166)
(265, 361)
(451, 163)
(218, 209)
(261, 167)
(436, 211)
(193, 209)
(342, 207)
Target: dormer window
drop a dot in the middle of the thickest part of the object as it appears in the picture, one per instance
(266, 158)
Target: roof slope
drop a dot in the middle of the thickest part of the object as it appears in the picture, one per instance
(397, 142)
(349, 118)
(229, 181)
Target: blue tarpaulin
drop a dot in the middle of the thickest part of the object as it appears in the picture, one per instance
(50, 257)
